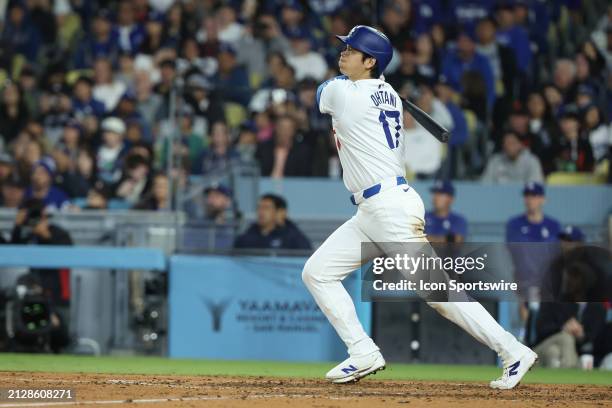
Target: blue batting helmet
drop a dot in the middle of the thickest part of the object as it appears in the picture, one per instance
(372, 42)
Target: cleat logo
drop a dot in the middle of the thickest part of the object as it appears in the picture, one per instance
(349, 369)
(512, 370)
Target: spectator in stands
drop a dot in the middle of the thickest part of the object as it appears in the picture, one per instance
(246, 145)
(98, 197)
(19, 30)
(283, 221)
(107, 89)
(13, 190)
(567, 331)
(396, 21)
(80, 174)
(286, 154)
(192, 62)
(149, 103)
(230, 29)
(109, 160)
(135, 183)
(514, 36)
(554, 98)
(564, 78)
(218, 203)
(128, 32)
(266, 233)
(30, 89)
(421, 152)
(407, 72)
(220, 156)
(158, 197)
(306, 62)
(6, 165)
(71, 139)
(428, 102)
(13, 112)
(501, 58)
(427, 59)
(101, 42)
(192, 143)
(461, 142)
(515, 163)
(83, 102)
(231, 80)
(277, 89)
(442, 224)
(42, 188)
(466, 59)
(530, 261)
(574, 152)
(204, 104)
(153, 34)
(599, 133)
(543, 129)
(138, 130)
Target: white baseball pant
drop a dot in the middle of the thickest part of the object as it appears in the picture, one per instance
(393, 215)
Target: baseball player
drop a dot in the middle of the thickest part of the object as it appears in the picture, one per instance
(367, 117)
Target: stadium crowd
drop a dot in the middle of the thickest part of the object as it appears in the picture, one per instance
(91, 88)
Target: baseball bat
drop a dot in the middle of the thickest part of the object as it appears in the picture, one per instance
(437, 130)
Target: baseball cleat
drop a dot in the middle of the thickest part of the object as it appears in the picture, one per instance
(514, 372)
(355, 368)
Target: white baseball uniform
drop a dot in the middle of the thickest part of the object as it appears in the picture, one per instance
(367, 118)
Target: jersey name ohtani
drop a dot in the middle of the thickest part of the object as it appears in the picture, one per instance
(385, 97)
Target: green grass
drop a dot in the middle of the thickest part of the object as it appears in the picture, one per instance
(164, 366)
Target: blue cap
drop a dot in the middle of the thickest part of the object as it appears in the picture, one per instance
(129, 95)
(298, 33)
(293, 4)
(468, 32)
(227, 47)
(534, 188)
(249, 125)
(156, 16)
(443, 186)
(586, 90)
(372, 42)
(221, 188)
(572, 233)
(47, 163)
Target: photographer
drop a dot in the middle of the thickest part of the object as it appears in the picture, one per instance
(32, 226)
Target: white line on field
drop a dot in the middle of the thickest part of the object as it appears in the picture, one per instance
(153, 400)
(110, 402)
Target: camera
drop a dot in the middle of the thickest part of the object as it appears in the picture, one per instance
(34, 216)
(25, 318)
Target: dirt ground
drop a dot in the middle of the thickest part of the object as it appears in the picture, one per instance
(259, 392)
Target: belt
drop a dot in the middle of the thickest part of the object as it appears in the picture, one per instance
(359, 197)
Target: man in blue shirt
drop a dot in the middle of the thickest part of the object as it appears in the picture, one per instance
(441, 224)
(531, 261)
(533, 225)
(514, 36)
(465, 59)
(42, 188)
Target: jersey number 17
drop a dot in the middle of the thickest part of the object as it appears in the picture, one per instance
(384, 119)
